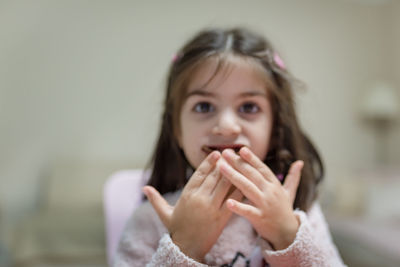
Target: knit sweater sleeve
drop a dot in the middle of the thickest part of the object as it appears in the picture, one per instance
(313, 245)
(146, 242)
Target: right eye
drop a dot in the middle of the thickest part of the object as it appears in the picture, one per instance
(203, 107)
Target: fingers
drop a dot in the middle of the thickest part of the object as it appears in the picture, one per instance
(160, 205)
(221, 190)
(257, 163)
(293, 179)
(245, 168)
(210, 182)
(236, 195)
(249, 189)
(242, 209)
(203, 170)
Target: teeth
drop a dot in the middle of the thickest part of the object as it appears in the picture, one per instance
(209, 149)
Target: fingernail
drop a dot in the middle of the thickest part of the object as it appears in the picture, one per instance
(230, 203)
(227, 152)
(222, 166)
(301, 164)
(244, 151)
(215, 155)
(146, 190)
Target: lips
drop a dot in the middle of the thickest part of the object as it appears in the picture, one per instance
(220, 148)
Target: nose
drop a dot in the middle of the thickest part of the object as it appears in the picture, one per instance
(228, 124)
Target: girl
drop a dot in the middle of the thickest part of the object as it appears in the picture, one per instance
(225, 188)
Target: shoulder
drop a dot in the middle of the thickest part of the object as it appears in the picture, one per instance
(172, 197)
(142, 232)
(314, 216)
(312, 246)
(147, 209)
(315, 209)
(145, 216)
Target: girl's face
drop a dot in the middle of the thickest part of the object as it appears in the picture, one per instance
(229, 109)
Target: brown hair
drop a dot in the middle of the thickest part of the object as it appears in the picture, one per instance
(288, 141)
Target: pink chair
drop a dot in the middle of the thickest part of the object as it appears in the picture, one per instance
(122, 194)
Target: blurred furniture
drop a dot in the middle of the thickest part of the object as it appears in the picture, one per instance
(363, 243)
(380, 108)
(365, 224)
(122, 194)
(365, 235)
(67, 227)
(4, 261)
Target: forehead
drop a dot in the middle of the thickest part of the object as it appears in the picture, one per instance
(216, 70)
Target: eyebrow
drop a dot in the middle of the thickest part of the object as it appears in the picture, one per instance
(200, 93)
(210, 94)
(254, 93)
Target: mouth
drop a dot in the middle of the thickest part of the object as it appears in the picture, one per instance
(220, 148)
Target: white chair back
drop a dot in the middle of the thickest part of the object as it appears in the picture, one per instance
(122, 194)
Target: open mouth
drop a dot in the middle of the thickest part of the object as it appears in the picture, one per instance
(220, 148)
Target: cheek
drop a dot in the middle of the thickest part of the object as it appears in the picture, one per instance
(261, 149)
(192, 151)
(183, 128)
(189, 139)
(261, 140)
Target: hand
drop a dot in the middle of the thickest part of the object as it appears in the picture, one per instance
(270, 210)
(200, 214)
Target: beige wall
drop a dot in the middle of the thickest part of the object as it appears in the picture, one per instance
(83, 80)
(395, 58)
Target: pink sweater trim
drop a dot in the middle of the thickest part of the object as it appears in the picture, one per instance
(145, 242)
(168, 254)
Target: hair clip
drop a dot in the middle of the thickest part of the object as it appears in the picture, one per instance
(176, 57)
(279, 176)
(278, 61)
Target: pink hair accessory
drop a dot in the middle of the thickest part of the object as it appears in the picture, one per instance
(279, 176)
(278, 61)
(176, 57)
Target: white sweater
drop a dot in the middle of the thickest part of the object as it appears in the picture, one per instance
(146, 242)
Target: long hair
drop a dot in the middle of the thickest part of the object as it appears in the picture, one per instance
(288, 141)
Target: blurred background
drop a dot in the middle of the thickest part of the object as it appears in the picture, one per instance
(81, 87)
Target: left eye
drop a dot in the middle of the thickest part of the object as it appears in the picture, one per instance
(203, 107)
(249, 108)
